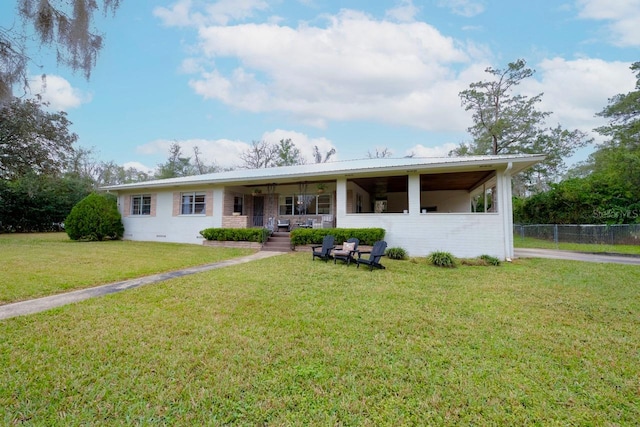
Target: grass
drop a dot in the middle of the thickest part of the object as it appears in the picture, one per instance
(35, 265)
(529, 242)
(288, 341)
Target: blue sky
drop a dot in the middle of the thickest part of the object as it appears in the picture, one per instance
(351, 75)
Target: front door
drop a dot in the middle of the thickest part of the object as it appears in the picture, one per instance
(258, 211)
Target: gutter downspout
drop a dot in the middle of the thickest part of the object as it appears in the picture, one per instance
(508, 216)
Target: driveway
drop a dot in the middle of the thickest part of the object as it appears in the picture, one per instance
(577, 256)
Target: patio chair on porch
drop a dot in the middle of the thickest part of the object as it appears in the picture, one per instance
(325, 252)
(307, 224)
(347, 252)
(376, 252)
(284, 223)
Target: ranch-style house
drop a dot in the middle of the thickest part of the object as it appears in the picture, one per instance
(423, 204)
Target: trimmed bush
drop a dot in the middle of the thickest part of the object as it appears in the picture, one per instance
(442, 259)
(396, 253)
(95, 217)
(259, 235)
(314, 236)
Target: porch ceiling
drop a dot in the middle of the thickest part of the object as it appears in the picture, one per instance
(454, 181)
(428, 182)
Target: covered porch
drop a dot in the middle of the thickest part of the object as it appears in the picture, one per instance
(466, 212)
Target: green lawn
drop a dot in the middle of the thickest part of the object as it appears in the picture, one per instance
(39, 264)
(288, 341)
(529, 242)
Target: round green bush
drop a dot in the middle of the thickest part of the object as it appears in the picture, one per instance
(95, 217)
(442, 259)
(396, 253)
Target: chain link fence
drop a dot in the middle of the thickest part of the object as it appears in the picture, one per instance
(618, 234)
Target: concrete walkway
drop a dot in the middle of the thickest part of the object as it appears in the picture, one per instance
(41, 304)
(577, 256)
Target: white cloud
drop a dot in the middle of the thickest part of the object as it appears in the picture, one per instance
(183, 13)
(138, 166)
(303, 142)
(406, 11)
(352, 67)
(466, 8)
(439, 151)
(58, 92)
(355, 68)
(623, 17)
(574, 91)
(178, 15)
(223, 11)
(226, 153)
(222, 152)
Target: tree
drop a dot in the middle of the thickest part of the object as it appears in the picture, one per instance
(616, 163)
(509, 123)
(623, 112)
(39, 202)
(95, 217)
(380, 153)
(200, 166)
(605, 188)
(319, 158)
(62, 24)
(176, 165)
(259, 155)
(287, 154)
(502, 120)
(111, 173)
(558, 144)
(32, 140)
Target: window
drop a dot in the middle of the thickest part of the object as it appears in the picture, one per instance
(141, 205)
(237, 204)
(286, 205)
(324, 204)
(193, 204)
(305, 204)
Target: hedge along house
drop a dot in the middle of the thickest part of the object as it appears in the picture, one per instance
(424, 204)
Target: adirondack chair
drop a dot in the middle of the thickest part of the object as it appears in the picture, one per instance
(325, 250)
(347, 252)
(376, 252)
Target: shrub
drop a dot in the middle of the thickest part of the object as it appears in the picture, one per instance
(491, 260)
(481, 261)
(442, 259)
(259, 235)
(314, 236)
(95, 217)
(396, 253)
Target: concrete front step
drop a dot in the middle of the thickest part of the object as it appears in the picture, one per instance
(278, 242)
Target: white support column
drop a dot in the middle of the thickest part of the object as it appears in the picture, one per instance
(506, 210)
(414, 193)
(218, 205)
(341, 200)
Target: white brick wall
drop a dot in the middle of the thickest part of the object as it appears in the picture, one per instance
(462, 234)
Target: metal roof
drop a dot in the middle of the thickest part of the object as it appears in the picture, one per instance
(351, 168)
